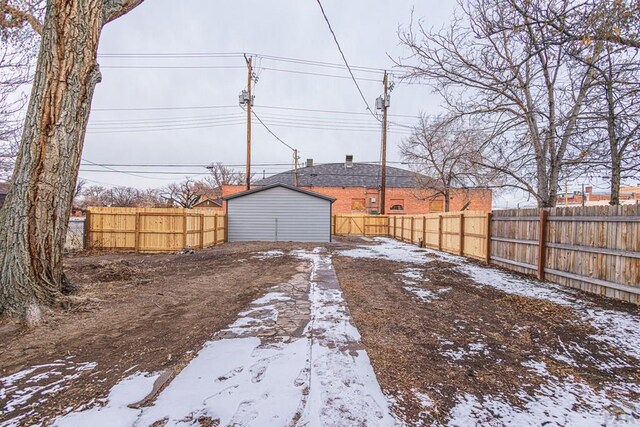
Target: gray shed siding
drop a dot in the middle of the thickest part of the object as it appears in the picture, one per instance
(299, 217)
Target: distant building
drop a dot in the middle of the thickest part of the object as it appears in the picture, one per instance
(355, 186)
(629, 195)
(4, 190)
(209, 203)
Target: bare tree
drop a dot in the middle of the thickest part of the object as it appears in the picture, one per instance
(448, 155)
(34, 218)
(18, 47)
(94, 195)
(125, 197)
(151, 198)
(611, 21)
(611, 123)
(184, 194)
(223, 175)
(504, 67)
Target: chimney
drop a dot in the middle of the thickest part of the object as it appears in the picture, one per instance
(588, 190)
(348, 161)
(309, 163)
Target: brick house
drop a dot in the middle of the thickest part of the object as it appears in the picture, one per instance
(629, 195)
(355, 186)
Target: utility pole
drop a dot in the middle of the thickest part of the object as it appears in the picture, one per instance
(249, 102)
(383, 104)
(566, 193)
(295, 167)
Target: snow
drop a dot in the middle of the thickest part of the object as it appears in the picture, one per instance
(558, 402)
(268, 254)
(391, 250)
(617, 328)
(132, 389)
(32, 385)
(320, 378)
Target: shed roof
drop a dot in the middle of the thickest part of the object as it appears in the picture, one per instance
(289, 187)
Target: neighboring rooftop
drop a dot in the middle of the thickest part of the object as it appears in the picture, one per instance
(344, 175)
(278, 184)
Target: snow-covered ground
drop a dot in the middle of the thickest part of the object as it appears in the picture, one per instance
(274, 366)
(18, 389)
(294, 357)
(560, 401)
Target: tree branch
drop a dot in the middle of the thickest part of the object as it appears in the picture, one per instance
(114, 9)
(12, 17)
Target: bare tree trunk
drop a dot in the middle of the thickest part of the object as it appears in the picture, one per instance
(615, 180)
(447, 200)
(34, 218)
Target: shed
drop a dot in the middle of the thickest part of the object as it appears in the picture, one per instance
(279, 212)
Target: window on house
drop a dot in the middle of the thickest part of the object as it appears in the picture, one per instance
(436, 206)
(358, 205)
(397, 205)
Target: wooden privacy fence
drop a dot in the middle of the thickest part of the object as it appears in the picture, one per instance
(595, 249)
(460, 233)
(152, 229)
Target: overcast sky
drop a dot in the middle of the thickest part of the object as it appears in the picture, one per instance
(143, 115)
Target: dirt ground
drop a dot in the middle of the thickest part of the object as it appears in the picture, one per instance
(142, 312)
(443, 336)
(468, 338)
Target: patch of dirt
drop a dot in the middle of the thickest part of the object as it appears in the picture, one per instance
(467, 339)
(137, 312)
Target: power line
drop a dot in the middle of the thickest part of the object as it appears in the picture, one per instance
(308, 73)
(268, 164)
(288, 172)
(157, 128)
(164, 108)
(335, 39)
(204, 107)
(213, 67)
(271, 132)
(201, 55)
(106, 168)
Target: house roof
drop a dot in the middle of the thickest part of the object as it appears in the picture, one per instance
(290, 187)
(216, 201)
(338, 175)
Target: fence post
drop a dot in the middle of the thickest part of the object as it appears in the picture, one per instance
(412, 227)
(226, 228)
(402, 230)
(334, 224)
(542, 244)
(137, 241)
(440, 232)
(462, 234)
(395, 227)
(184, 229)
(201, 231)
(424, 231)
(87, 230)
(215, 228)
(488, 259)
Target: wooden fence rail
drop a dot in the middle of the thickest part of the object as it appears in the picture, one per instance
(460, 233)
(152, 229)
(595, 249)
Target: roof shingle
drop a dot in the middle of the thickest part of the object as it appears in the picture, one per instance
(338, 175)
